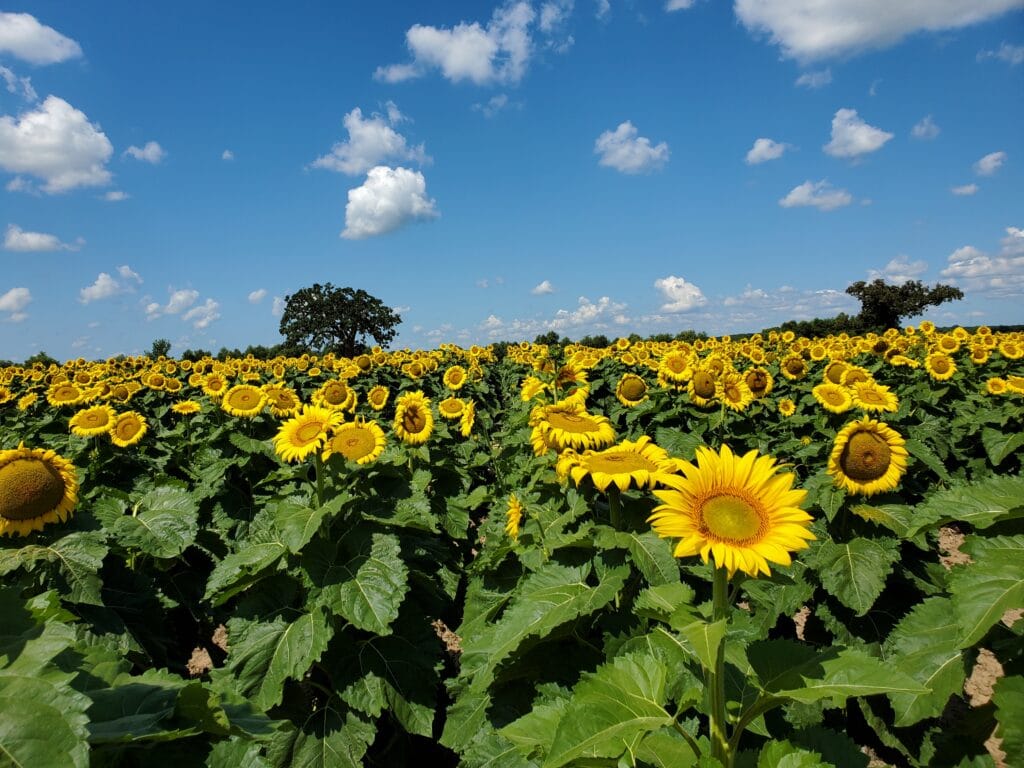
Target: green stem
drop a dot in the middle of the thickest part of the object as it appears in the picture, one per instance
(720, 747)
(319, 464)
(689, 739)
(615, 506)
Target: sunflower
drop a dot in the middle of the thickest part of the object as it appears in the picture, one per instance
(1011, 349)
(870, 396)
(531, 387)
(451, 408)
(244, 400)
(834, 371)
(733, 391)
(940, 366)
(833, 398)
(631, 390)
(283, 401)
(793, 367)
(867, 458)
(6, 395)
(129, 428)
(737, 509)
(186, 407)
(759, 381)
(675, 369)
(214, 385)
(65, 393)
(568, 425)
(360, 441)
(93, 421)
(787, 407)
(1015, 384)
(377, 397)
(641, 464)
(27, 401)
(996, 385)
(702, 387)
(335, 394)
(37, 487)
(414, 422)
(513, 516)
(454, 378)
(468, 419)
(305, 433)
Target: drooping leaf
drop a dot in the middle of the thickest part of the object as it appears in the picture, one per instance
(79, 555)
(782, 754)
(986, 588)
(981, 504)
(328, 739)
(921, 452)
(665, 748)
(140, 709)
(854, 572)
(164, 523)
(999, 445)
(705, 639)
(297, 521)
(661, 601)
(651, 554)
(239, 570)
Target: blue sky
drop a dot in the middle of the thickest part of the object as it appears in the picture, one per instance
(174, 170)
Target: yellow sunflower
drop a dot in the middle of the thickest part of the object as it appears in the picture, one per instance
(531, 387)
(513, 516)
(65, 393)
(833, 398)
(244, 400)
(6, 395)
(733, 391)
(27, 401)
(996, 385)
(214, 385)
(759, 381)
(568, 425)
(451, 408)
(414, 422)
(1011, 349)
(868, 457)
(675, 370)
(793, 367)
(454, 378)
(95, 420)
(306, 432)
(377, 397)
(1015, 384)
(37, 487)
(739, 510)
(186, 407)
(468, 419)
(335, 394)
(631, 390)
(360, 441)
(940, 366)
(641, 464)
(129, 428)
(283, 401)
(787, 407)
(871, 396)
(702, 387)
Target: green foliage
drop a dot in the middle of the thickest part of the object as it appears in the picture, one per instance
(883, 305)
(160, 348)
(322, 318)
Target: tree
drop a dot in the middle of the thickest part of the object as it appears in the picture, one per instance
(323, 318)
(160, 348)
(882, 305)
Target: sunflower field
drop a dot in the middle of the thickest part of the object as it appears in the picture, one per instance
(756, 552)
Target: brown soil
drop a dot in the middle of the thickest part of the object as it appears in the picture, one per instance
(452, 642)
(220, 637)
(200, 663)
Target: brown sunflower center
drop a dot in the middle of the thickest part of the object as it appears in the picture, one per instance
(633, 388)
(127, 427)
(29, 488)
(732, 393)
(866, 456)
(871, 396)
(833, 397)
(378, 396)
(757, 381)
(455, 377)
(66, 393)
(676, 364)
(336, 394)
(940, 365)
(834, 373)
(94, 419)
(414, 420)
(704, 384)
(795, 366)
(732, 517)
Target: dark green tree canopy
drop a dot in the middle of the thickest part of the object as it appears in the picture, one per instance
(160, 348)
(322, 318)
(882, 305)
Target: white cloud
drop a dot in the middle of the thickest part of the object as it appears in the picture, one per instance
(179, 301)
(757, 308)
(17, 239)
(104, 287)
(1001, 276)
(543, 287)
(765, 150)
(817, 29)
(966, 189)
(681, 296)
(371, 142)
(116, 196)
(57, 144)
(587, 312)
(899, 270)
(819, 194)
(151, 153)
(389, 198)
(815, 80)
(16, 84)
(624, 151)
(852, 137)
(604, 7)
(990, 163)
(553, 14)
(202, 315)
(257, 296)
(492, 106)
(22, 36)
(1013, 243)
(227, 154)
(678, 5)
(277, 307)
(128, 273)
(13, 302)
(493, 322)
(1011, 54)
(499, 52)
(925, 129)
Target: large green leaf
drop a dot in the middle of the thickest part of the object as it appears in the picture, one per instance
(854, 572)
(611, 710)
(662, 601)
(705, 639)
(40, 730)
(297, 521)
(924, 645)
(652, 555)
(265, 654)
(141, 709)
(1009, 700)
(534, 732)
(985, 589)
(327, 739)
(782, 754)
(79, 556)
(999, 445)
(26, 644)
(981, 504)
(921, 452)
(164, 523)
(241, 569)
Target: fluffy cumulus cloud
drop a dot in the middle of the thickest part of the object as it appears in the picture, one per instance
(107, 286)
(179, 301)
(371, 142)
(388, 199)
(814, 80)
(202, 315)
(497, 53)
(257, 296)
(925, 129)
(680, 296)
(852, 137)
(990, 163)
(816, 194)
(553, 14)
(817, 29)
(765, 150)
(758, 308)
(13, 303)
(624, 150)
(542, 288)
(1000, 276)
(1011, 54)
(899, 270)
(25, 38)
(595, 314)
(965, 190)
(17, 239)
(152, 152)
(55, 143)
(277, 306)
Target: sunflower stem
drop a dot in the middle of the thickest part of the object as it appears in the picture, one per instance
(318, 463)
(615, 506)
(720, 747)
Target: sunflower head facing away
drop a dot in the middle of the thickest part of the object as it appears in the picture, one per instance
(37, 487)
(641, 464)
(738, 509)
(867, 458)
(513, 516)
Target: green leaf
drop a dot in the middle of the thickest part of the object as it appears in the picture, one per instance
(265, 654)
(678, 442)
(921, 452)
(79, 555)
(854, 572)
(782, 754)
(535, 731)
(38, 730)
(298, 522)
(924, 645)
(491, 750)
(327, 739)
(164, 524)
(981, 504)
(985, 589)
(705, 639)
(666, 749)
(661, 601)
(898, 518)
(999, 445)
(652, 555)
(240, 570)
(140, 710)
(246, 444)
(611, 710)
(1009, 700)
(236, 752)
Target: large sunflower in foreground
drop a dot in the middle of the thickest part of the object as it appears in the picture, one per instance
(37, 487)
(414, 422)
(360, 441)
(305, 433)
(868, 457)
(738, 509)
(641, 464)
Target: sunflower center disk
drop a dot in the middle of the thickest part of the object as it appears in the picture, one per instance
(571, 422)
(414, 421)
(309, 432)
(355, 444)
(28, 489)
(731, 518)
(704, 384)
(634, 389)
(620, 463)
(866, 456)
